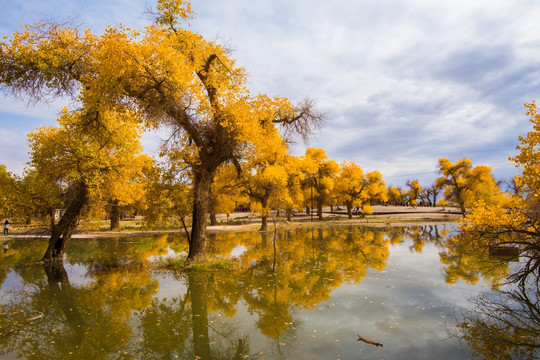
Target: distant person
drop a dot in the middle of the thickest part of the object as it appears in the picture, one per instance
(6, 227)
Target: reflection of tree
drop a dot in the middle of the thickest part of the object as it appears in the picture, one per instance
(504, 325)
(16, 253)
(199, 313)
(309, 265)
(467, 257)
(61, 291)
(54, 319)
(434, 234)
(420, 235)
(165, 328)
(120, 250)
(425, 234)
(168, 325)
(113, 310)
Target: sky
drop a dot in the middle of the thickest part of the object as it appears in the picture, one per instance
(402, 83)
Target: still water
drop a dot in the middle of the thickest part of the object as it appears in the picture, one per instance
(333, 293)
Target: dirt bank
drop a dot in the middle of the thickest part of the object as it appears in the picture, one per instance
(382, 216)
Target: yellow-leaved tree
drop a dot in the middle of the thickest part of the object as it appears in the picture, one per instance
(37, 196)
(266, 176)
(8, 185)
(320, 174)
(396, 195)
(171, 76)
(414, 191)
(354, 188)
(168, 197)
(124, 190)
(465, 185)
(226, 192)
(294, 197)
(79, 161)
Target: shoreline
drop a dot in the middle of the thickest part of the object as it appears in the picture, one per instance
(384, 216)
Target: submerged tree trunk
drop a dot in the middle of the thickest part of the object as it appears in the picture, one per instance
(115, 215)
(61, 233)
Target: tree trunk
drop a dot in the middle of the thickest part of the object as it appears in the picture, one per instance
(319, 207)
(289, 214)
(349, 209)
(61, 233)
(201, 196)
(264, 214)
(115, 215)
(212, 210)
(264, 222)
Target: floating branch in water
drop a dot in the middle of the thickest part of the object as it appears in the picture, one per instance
(371, 342)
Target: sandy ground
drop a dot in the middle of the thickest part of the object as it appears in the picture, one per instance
(382, 216)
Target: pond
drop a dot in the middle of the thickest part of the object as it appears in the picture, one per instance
(333, 293)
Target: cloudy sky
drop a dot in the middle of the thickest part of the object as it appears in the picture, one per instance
(403, 83)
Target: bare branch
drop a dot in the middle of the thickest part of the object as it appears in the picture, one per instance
(304, 121)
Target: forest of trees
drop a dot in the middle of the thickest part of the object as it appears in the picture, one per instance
(227, 146)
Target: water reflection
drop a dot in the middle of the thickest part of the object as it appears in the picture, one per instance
(106, 301)
(504, 324)
(54, 319)
(468, 258)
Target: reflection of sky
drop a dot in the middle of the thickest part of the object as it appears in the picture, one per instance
(407, 307)
(10, 284)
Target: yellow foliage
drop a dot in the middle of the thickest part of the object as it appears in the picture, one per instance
(465, 185)
(356, 189)
(226, 189)
(498, 217)
(529, 157)
(367, 209)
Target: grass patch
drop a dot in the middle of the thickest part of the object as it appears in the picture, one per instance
(234, 222)
(177, 264)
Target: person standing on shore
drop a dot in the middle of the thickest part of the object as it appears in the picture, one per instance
(6, 228)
